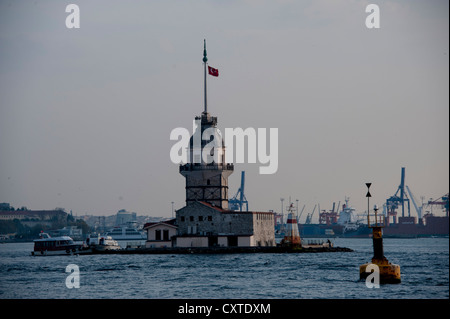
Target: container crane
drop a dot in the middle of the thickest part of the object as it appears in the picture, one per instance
(238, 201)
(444, 202)
(393, 202)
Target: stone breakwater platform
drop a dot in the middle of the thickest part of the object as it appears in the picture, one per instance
(219, 250)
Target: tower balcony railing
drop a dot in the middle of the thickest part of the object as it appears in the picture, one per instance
(201, 166)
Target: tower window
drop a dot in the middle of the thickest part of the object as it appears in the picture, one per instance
(191, 218)
(200, 218)
(208, 182)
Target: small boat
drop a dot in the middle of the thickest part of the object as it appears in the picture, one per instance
(62, 245)
(102, 243)
(107, 243)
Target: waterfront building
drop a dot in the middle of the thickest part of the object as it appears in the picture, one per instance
(160, 234)
(123, 217)
(32, 218)
(33, 215)
(202, 224)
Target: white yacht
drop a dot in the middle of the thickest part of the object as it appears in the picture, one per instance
(126, 233)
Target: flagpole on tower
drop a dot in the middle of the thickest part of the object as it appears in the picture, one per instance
(205, 59)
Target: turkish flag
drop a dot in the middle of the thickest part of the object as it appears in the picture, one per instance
(212, 71)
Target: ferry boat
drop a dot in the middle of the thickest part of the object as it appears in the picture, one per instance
(62, 245)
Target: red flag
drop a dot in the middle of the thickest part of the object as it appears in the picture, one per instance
(212, 71)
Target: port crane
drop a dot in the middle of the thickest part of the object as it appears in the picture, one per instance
(309, 216)
(330, 217)
(298, 219)
(443, 201)
(418, 209)
(393, 202)
(239, 200)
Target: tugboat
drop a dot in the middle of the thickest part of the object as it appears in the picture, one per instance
(46, 245)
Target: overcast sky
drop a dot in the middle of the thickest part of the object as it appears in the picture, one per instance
(86, 114)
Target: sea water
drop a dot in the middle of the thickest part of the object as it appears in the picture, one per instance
(424, 266)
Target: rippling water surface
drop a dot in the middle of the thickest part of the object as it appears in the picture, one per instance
(424, 268)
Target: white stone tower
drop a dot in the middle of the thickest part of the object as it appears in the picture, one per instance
(207, 178)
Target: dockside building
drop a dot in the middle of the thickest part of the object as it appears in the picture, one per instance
(201, 224)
